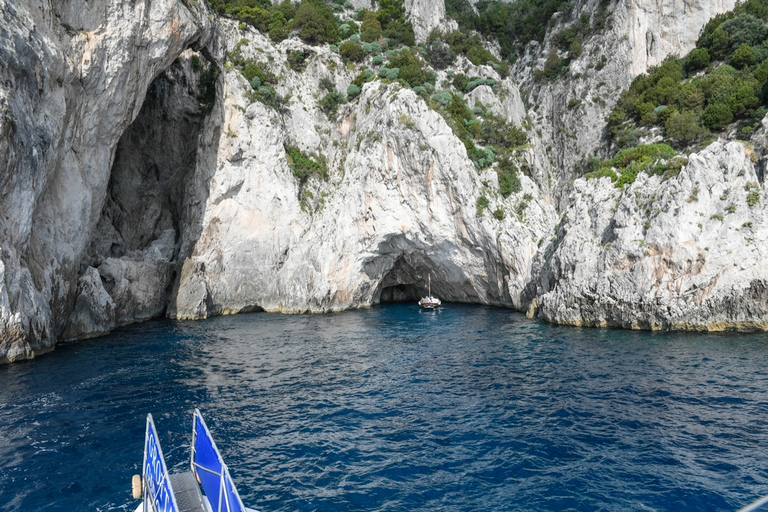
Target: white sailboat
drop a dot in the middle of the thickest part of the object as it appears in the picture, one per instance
(429, 302)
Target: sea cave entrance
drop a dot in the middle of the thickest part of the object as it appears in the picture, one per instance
(406, 281)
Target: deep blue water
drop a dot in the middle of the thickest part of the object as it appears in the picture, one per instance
(391, 409)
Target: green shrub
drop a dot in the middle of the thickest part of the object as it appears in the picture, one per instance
(498, 214)
(374, 48)
(351, 51)
(482, 204)
(329, 104)
(552, 66)
(477, 82)
(440, 54)
(745, 29)
(365, 76)
(753, 197)
(389, 74)
(628, 163)
(370, 29)
(315, 23)
(352, 91)
(278, 26)
(297, 60)
(743, 56)
(327, 84)
(305, 166)
(443, 97)
(515, 24)
(411, 68)
(602, 172)
(717, 116)
(697, 59)
(460, 81)
(508, 174)
(684, 128)
(400, 32)
(478, 55)
(497, 131)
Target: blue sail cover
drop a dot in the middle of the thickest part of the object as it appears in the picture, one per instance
(157, 485)
(210, 469)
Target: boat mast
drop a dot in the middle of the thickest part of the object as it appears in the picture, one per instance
(429, 285)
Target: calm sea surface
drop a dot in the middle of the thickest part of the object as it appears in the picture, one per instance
(391, 409)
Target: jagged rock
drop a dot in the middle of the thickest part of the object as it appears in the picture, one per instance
(570, 113)
(424, 15)
(686, 253)
(75, 77)
(200, 212)
(400, 202)
(94, 311)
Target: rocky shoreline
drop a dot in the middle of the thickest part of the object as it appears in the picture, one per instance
(143, 178)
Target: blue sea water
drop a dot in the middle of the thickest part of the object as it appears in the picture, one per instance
(467, 408)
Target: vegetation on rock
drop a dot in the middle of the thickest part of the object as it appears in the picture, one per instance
(515, 24)
(305, 166)
(622, 169)
(721, 82)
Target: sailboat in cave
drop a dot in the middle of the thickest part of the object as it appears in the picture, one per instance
(429, 302)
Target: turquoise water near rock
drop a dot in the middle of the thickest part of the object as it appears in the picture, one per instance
(468, 408)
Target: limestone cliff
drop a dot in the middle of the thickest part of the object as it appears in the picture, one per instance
(145, 176)
(686, 253)
(73, 79)
(570, 112)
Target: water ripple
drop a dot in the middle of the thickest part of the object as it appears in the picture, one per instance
(391, 409)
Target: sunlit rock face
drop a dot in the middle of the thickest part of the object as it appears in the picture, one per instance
(399, 205)
(686, 253)
(141, 177)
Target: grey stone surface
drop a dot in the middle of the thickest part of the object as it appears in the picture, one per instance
(123, 197)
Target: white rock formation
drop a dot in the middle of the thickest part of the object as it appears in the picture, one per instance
(400, 203)
(686, 253)
(425, 15)
(651, 30)
(200, 213)
(570, 113)
(76, 77)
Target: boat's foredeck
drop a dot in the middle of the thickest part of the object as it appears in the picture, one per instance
(187, 492)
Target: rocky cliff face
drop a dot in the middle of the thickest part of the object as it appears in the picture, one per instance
(570, 112)
(142, 177)
(75, 79)
(400, 202)
(686, 253)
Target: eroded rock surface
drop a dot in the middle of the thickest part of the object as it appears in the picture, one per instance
(76, 77)
(686, 253)
(400, 203)
(142, 177)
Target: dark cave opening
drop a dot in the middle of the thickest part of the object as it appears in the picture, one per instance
(401, 293)
(407, 280)
(154, 160)
(147, 213)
